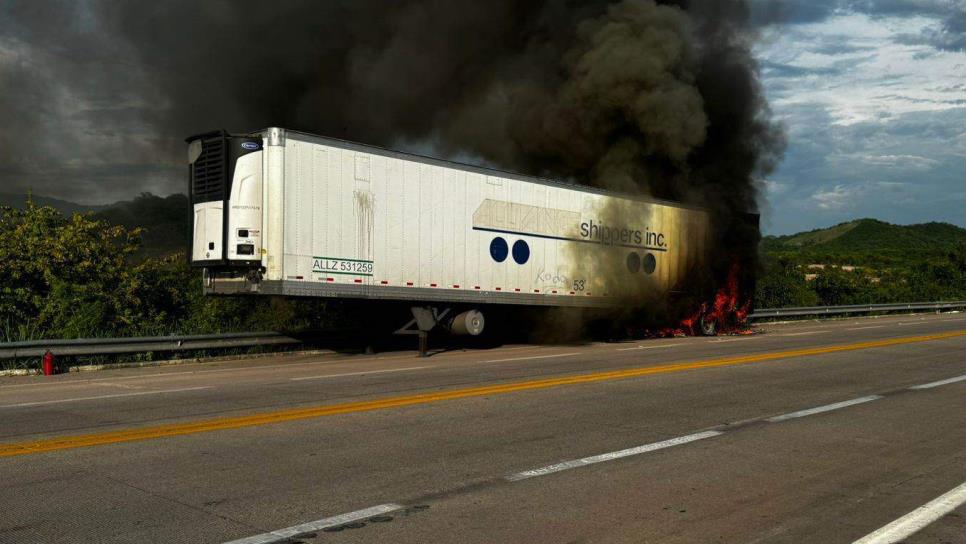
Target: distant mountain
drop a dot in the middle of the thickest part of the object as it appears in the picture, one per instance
(20, 200)
(165, 219)
(865, 240)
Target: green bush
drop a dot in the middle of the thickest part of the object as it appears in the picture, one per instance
(782, 284)
(932, 277)
(75, 277)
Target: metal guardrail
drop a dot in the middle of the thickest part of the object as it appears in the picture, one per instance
(765, 313)
(120, 346)
(116, 346)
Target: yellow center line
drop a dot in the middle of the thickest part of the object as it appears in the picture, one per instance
(279, 416)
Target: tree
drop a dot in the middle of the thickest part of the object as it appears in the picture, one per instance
(61, 274)
(782, 284)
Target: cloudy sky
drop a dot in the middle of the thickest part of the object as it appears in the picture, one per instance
(873, 98)
(872, 95)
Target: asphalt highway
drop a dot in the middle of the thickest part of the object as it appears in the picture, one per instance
(850, 431)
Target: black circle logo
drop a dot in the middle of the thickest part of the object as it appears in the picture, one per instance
(499, 249)
(633, 262)
(521, 252)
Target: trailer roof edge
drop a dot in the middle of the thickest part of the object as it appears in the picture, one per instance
(356, 146)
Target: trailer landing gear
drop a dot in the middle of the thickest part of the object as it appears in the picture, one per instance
(424, 320)
(427, 318)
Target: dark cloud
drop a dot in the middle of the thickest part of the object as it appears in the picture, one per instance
(951, 35)
(605, 92)
(903, 8)
(775, 12)
(776, 70)
(791, 12)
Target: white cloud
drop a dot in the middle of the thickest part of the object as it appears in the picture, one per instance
(859, 68)
(834, 199)
(896, 162)
(774, 188)
(875, 121)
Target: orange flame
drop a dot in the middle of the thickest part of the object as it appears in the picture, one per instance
(727, 311)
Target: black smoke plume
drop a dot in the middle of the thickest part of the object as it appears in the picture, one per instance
(654, 97)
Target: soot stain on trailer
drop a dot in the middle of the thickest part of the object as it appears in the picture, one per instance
(364, 219)
(642, 278)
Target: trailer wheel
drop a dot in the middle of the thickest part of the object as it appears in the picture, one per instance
(709, 327)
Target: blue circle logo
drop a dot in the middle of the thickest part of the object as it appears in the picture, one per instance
(499, 249)
(650, 263)
(251, 146)
(521, 252)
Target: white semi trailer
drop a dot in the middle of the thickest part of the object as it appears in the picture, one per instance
(281, 212)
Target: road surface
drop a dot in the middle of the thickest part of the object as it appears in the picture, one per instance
(833, 432)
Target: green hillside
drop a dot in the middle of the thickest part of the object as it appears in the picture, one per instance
(895, 263)
(868, 241)
(164, 220)
(19, 200)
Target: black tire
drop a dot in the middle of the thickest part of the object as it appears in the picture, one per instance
(709, 327)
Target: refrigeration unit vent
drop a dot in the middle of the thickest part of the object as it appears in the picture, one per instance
(209, 172)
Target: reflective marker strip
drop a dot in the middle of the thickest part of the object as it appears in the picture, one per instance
(914, 521)
(939, 383)
(335, 521)
(577, 463)
(822, 409)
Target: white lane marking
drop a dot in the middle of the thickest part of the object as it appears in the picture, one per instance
(864, 328)
(739, 339)
(363, 373)
(577, 463)
(312, 526)
(802, 333)
(822, 409)
(939, 383)
(649, 347)
(120, 395)
(533, 357)
(119, 385)
(914, 521)
(277, 366)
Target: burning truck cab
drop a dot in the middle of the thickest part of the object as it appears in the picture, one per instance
(280, 212)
